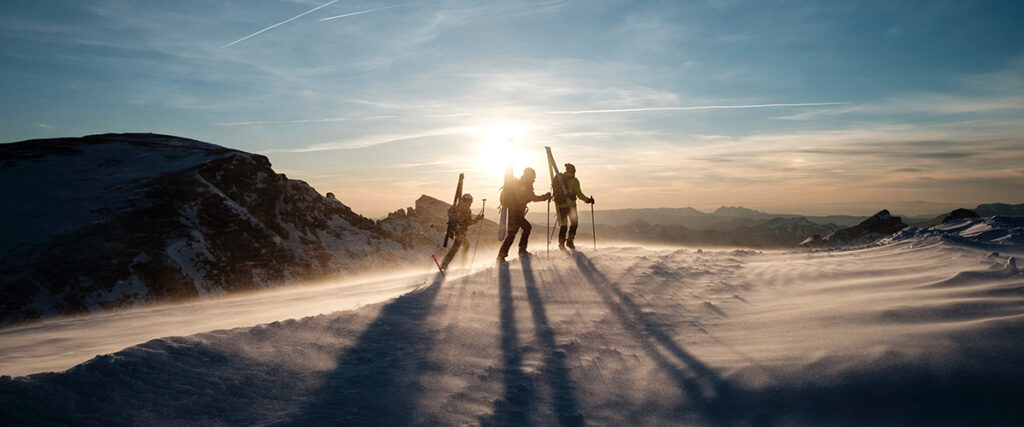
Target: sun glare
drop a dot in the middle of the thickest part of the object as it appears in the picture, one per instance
(500, 143)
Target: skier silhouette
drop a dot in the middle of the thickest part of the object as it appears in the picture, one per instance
(566, 207)
(463, 218)
(515, 199)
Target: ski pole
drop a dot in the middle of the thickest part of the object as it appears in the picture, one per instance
(479, 232)
(549, 228)
(593, 226)
(438, 266)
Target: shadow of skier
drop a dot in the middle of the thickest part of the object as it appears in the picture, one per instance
(702, 385)
(514, 407)
(557, 373)
(376, 381)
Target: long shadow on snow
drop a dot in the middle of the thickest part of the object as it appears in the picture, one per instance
(557, 373)
(700, 383)
(985, 391)
(514, 407)
(376, 381)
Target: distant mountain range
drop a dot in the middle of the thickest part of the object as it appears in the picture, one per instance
(742, 227)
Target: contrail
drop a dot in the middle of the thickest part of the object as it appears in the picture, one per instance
(361, 12)
(701, 107)
(281, 23)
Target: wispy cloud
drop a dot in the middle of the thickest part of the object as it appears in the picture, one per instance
(281, 23)
(699, 107)
(324, 120)
(373, 140)
(419, 164)
(362, 12)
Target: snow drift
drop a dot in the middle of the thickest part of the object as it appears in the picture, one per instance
(925, 327)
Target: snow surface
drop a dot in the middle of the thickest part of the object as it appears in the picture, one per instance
(59, 201)
(924, 329)
(60, 343)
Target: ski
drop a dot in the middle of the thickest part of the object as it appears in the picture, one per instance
(502, 210)
(558, 190)
(458, 194)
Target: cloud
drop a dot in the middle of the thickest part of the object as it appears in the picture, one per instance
(694, 108)
(281, 23)
(374, 140)
(324, 120)
(362, 12)
(419, 164)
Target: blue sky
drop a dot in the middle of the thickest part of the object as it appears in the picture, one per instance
(796, 106)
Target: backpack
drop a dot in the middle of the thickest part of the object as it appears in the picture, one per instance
(509, 193)
(558, 190)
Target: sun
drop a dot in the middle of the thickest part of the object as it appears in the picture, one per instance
(499, 144)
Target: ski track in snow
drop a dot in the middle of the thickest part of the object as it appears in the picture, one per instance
(914, 331)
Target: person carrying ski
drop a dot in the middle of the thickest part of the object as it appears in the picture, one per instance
(463, 218)
(515, 199)
(566, 207)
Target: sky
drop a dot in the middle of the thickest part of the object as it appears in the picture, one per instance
(789, 106)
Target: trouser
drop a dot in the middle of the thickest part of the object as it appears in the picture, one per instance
(516, 221)
(459, 242)
(567, 214)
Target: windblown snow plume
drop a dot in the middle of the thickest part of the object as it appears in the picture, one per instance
(923, 328)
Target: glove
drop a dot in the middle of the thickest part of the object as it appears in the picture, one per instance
(479, 217)
(590, 200)
(547, 195)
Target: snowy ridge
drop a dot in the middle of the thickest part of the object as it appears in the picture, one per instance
(995, 231)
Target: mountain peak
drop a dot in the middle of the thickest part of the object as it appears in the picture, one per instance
(738, 211)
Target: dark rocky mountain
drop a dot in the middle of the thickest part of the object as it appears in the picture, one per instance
(115, 220)
(960, 214)
(879, 225)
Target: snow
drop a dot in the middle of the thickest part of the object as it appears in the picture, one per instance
(987, 232)
(46, 196)
(924, 328)
(58, 344)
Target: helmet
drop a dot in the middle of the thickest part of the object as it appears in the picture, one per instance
(570, 168)
(467, 197)
(529, 172)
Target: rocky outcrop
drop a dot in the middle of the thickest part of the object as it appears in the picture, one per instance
(425, 224)
(879, 225)
(960, 214)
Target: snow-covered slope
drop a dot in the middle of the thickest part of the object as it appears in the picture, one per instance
(109, 221)
(925, 328)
